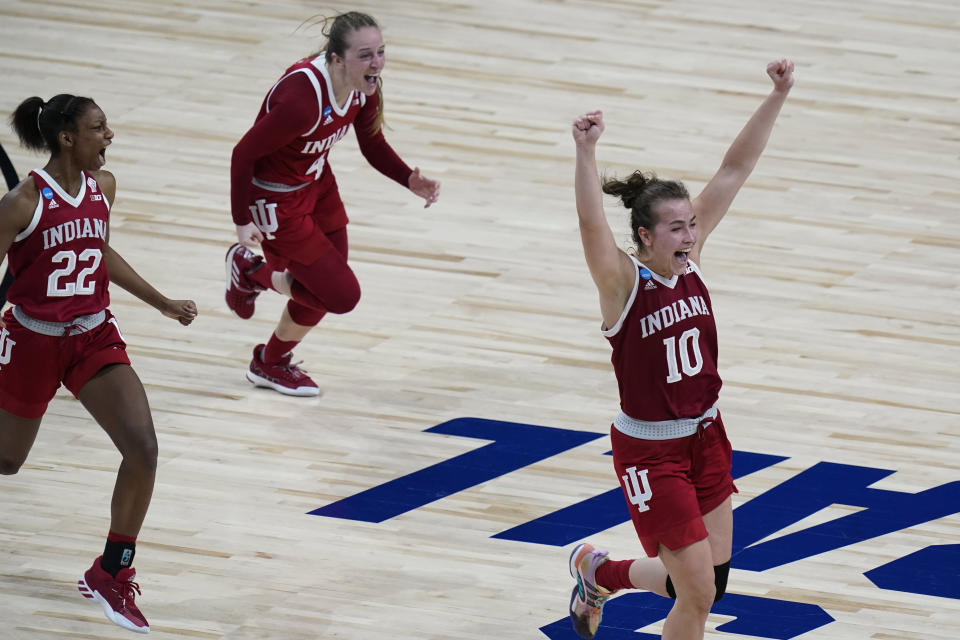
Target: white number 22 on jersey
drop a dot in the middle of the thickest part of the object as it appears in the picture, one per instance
(60, 282)
(687, 346)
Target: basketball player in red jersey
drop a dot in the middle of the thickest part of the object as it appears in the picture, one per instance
(670, 449)
(284, 197)
(54, 229)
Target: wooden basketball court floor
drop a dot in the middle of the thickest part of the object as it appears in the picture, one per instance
(834, 277)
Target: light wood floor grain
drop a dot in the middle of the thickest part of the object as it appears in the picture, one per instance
(834, 277)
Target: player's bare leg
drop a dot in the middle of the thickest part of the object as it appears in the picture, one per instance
(719, 524)
(114, 396)
(288, 330)
(691, 570)
(16, 439)
(282, 281)
(649, 574)
(116, 400)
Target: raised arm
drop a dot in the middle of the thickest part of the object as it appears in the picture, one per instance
(611, 268)
(715, 199)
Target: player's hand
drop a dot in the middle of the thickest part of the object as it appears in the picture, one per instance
(424, 187)
(184, 311)
(249, 235)
(781, 72)
(588, 128)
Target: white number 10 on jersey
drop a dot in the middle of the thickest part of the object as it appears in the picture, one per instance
(688, 348)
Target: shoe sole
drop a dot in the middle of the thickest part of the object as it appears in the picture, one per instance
(108, 611)
(573, 555)
(300, 392)
(575, 621)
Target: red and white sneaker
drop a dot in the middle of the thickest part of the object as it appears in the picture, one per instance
(242, 291)
(286, 377)
(115, 595)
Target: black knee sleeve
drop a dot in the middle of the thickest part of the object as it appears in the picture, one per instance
(720, 573)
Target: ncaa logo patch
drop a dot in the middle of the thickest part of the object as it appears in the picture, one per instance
(47, 193)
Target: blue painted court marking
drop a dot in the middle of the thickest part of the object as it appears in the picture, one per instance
(821, 486)
(933, 571)
(753, 616)
(607, 510)
(513, 446)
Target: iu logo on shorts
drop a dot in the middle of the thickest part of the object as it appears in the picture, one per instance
(6, 346)
(265, 216)
(637, 488)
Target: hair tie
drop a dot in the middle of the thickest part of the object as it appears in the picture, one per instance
(39, 111)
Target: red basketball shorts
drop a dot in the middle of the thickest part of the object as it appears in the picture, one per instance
(670, 484)
(33, 365)
(295, 224)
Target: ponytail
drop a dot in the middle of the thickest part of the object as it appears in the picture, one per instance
(26, 122)
(378, 121)
(639, 193)
(38, 124)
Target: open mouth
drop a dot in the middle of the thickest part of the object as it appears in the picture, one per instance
(102, 156)
(682, 256)
(371, 80)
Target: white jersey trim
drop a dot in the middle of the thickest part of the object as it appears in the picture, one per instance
(316, 88)
(696, 269)
(670, 283)
(612, 331)
(34, 221)
(318, 63)
(73, 202)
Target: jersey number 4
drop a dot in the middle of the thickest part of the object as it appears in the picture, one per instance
(688, 349)
(61, 282)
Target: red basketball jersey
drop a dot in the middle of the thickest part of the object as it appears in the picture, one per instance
(305, 158)
(57, 261)
(665, 347)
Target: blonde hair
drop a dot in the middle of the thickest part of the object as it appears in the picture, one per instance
(336, 30)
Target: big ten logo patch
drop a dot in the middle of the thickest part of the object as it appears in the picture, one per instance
(512, 446)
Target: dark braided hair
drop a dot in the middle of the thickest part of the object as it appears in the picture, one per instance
(38, 124)
(639, 193)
